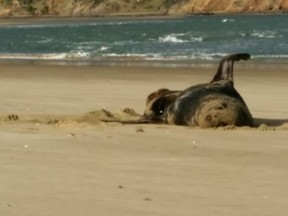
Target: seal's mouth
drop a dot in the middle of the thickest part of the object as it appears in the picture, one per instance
(154, 117)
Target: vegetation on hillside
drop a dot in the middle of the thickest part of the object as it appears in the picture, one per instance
(103, 7)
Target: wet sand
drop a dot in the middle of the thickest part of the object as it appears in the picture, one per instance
(58, 158)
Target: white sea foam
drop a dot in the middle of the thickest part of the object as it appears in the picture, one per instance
(104, 48)
(264, 34)
(56, 56)
(227, 20)
(121, 43)
(78, 55)
(87, 43)
(178, 38)
(280, 56)
(45, 41)
(87, 56)
(51, 56)
(198, 56)
(196, 39)
(171, 39)
(147, 56)
(161, 56)
(22, 56)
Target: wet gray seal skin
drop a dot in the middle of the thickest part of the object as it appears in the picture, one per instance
(212, 104)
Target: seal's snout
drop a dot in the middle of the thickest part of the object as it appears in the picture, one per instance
(221, 110)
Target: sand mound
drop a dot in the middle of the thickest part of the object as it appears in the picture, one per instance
(93, 117)
(97, 116)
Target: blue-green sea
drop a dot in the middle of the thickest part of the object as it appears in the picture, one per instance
(185, 39)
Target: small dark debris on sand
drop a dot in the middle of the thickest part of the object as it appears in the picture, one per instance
(12, 117)
(140, 130)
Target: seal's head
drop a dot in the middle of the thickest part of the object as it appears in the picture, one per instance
(157, 102)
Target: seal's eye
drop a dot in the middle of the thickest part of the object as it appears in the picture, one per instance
(159, 111)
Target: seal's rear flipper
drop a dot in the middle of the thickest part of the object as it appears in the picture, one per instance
(225, 69)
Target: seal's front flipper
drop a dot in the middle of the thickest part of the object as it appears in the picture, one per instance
(225, 69)
(139, 121)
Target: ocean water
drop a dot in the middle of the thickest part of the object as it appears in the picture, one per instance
(187, 39)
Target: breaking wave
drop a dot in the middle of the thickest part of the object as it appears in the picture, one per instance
(171, 39)
(262, 34)
(86, 56)
(181, 39)
(228, 20)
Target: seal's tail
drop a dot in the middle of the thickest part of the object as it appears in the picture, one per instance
(225, 69)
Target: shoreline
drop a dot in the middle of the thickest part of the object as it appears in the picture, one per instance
(32, 19)
(4, 20)
(252, 64)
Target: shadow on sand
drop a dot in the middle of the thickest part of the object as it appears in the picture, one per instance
(270, 122)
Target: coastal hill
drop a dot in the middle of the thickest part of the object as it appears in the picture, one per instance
(134, 7)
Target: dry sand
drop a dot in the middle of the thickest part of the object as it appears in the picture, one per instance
(58, 160)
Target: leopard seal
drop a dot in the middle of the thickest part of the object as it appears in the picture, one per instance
(212, 104)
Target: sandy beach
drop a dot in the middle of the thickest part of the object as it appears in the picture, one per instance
(58, 158)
